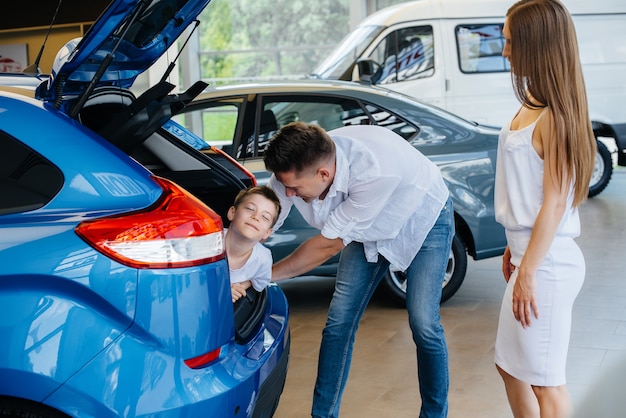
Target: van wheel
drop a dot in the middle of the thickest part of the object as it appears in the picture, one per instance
(602, 170)
(395, 280)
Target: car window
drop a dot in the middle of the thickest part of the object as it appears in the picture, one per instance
(215, 122)
(392, 122)
(328, 112)
(405, 54)
(28, 181)
(480, 47)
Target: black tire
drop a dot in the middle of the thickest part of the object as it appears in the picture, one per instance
(602, 171)
(20, 408)
(394, 281)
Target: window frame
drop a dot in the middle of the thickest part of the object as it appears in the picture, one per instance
(461, 51)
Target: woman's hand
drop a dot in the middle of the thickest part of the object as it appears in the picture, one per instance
(524, 301)
(507, 267)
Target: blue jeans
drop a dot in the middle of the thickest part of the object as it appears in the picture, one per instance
(356, 281)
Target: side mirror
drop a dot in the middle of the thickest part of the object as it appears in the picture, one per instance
(366, 70)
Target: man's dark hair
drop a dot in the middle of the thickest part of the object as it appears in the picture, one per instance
(298, 146)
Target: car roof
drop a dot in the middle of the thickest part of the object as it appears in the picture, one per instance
(309, 86)
(464, 9)
(355, 90)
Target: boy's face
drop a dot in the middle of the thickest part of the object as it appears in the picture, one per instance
(253, 218)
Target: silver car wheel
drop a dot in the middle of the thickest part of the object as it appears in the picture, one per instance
(399, 278)
(395, 281)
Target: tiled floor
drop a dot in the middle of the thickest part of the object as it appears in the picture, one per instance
(383, 379)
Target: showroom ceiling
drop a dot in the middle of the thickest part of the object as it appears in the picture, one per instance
(33, 13)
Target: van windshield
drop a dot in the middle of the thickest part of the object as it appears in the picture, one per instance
(338, 66)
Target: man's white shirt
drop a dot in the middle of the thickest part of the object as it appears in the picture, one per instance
(385, 194)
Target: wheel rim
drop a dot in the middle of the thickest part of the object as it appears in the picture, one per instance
(598, 170)
(399, 277)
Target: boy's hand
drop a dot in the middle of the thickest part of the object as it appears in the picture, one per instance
(238, 291)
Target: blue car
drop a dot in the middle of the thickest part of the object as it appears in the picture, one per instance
(114, 287)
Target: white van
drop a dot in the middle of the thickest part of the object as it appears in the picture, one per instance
(448, 53)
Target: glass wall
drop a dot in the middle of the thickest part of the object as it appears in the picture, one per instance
(245, 40)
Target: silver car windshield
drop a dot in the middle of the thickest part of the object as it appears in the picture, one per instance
(344, 56)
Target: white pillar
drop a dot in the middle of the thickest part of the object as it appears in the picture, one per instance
(358, 11)
(190, 60)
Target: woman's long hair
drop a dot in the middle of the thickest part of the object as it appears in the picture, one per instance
(546, 71)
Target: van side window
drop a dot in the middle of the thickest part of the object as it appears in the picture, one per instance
(480, 47)
(405, 54)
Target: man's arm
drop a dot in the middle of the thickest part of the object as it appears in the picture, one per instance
(310, 254)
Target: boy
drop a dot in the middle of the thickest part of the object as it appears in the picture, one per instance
(251, 217)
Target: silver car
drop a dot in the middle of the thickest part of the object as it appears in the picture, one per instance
(241, 119)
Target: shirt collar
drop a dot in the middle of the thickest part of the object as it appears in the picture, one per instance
(342, 171)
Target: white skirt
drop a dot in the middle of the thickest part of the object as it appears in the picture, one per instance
(537, 355)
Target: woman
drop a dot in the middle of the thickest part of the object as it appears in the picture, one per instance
(545, 161)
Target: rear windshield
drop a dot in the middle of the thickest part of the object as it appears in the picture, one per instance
(27, 180)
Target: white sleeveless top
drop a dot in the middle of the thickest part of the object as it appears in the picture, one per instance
(519, 184)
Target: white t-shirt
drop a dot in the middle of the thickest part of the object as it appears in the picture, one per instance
(257, 269)
(385, 194)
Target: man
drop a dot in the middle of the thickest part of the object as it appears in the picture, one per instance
(379, 201)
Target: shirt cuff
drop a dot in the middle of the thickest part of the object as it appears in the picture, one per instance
(331, 231)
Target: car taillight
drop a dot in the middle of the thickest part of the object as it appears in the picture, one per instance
(177, 231)
(203, 360)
